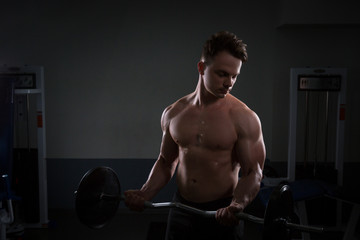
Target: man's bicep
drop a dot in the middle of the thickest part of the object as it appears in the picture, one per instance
(258, 153)
(250, 151)
(169, 150)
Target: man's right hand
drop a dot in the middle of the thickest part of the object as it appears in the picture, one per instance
(134, 199)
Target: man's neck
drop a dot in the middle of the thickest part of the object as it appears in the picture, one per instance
(203, 98)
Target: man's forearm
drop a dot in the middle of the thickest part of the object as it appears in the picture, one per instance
(160, 175)
(247, 188)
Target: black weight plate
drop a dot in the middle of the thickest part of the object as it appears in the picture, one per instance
(91, 209)
(280, 206)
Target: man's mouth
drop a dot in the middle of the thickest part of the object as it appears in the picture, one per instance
(224, 91)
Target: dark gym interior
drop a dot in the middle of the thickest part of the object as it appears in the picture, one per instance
(84, 83)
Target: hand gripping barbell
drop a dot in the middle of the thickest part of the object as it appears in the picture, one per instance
(99, 194)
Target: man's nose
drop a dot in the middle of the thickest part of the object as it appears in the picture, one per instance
(228, 82)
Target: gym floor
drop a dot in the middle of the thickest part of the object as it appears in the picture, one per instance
(149, 225)
(64, 224)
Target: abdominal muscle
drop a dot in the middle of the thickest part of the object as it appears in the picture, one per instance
(204, 175)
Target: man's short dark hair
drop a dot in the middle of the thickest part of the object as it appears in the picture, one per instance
(224, 41)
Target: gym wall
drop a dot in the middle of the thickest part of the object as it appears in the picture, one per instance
(112, 67)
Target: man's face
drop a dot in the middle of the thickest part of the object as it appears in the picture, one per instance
(220, 75)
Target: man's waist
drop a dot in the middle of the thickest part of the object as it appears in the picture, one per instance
(206, 205)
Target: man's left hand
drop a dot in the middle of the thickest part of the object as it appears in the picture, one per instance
(226, 216)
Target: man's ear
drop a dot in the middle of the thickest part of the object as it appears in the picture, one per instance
(201, 67)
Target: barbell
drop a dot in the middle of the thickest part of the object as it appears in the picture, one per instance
(99, 194)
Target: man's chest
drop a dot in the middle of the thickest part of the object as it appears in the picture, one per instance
(209, 129)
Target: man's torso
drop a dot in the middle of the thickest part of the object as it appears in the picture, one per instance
(206, 136)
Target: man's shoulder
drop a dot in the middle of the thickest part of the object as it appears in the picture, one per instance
(240, 112)
(245, 120)
(237, 106)
(176, 107)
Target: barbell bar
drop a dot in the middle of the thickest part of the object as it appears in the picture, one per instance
(99, 194)
(168, 205)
